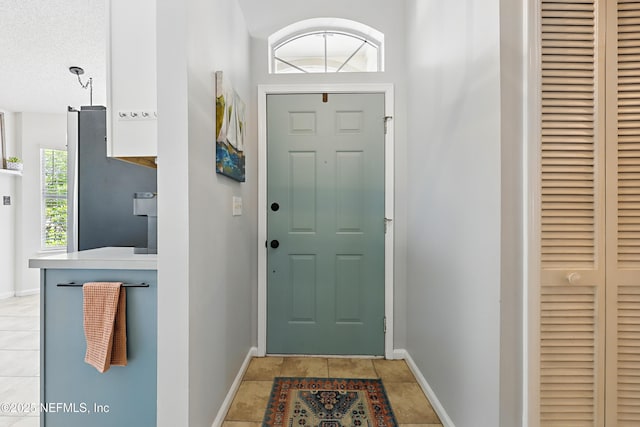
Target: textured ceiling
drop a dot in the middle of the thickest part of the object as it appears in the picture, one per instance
(39, 41)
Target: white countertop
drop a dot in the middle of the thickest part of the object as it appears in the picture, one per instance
(102, 258)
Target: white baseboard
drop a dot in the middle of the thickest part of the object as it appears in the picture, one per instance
(428, 391)
(226, 404)
(399, 354)
(28, 292)
(6, 295)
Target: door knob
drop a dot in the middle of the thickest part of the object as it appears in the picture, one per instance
(573, 278)
(275, 206)
(274, 244)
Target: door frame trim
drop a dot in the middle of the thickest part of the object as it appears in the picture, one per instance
(532, 174)
(263, 90)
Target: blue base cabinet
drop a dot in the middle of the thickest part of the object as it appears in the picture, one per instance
(75, 394)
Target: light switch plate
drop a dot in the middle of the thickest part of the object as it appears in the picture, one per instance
(6, 200)
(237, 206)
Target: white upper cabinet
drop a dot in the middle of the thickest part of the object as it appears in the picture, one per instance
(131, 76)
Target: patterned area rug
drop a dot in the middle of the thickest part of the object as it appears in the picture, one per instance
(328, 402)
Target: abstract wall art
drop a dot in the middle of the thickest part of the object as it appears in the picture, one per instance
(230, 130)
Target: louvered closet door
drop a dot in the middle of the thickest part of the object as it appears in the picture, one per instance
(572, 215)
(623, 214)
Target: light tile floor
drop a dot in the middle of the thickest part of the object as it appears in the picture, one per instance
(19, 358)
(408, 402)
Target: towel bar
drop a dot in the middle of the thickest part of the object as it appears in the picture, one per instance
(126, 285)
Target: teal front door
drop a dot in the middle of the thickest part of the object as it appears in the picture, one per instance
(325, 224)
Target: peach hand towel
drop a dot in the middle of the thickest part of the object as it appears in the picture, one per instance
(105, 326)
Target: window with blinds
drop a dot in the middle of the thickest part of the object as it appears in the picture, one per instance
(53, 169)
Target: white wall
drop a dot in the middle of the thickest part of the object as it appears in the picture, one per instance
(454, 207)
(389, 18)
(7, 236)
(10, 133)
(173, 215)
(33, 132)
(263, 18)
(8, 215)
(207, 257)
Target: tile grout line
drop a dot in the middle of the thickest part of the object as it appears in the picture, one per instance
(20, 320)
(377, 373)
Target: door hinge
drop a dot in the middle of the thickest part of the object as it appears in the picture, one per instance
(387, 222)
(384, 324)
(386, 119)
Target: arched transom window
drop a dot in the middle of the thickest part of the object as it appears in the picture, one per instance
(326, 45)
